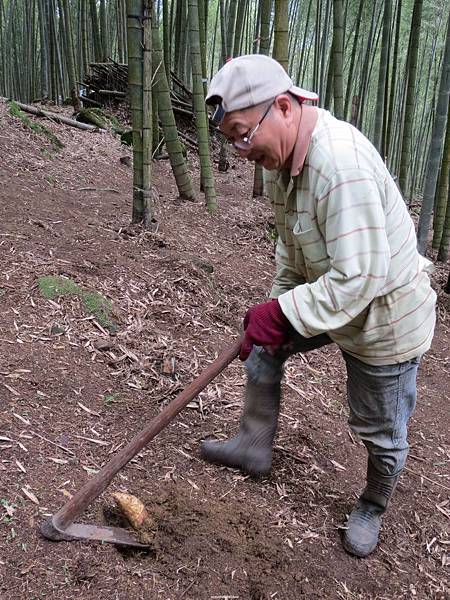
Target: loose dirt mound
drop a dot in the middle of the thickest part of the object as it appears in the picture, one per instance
(76, 388)
(225, 552)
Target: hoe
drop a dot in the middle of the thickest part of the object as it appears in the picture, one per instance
(61, 526)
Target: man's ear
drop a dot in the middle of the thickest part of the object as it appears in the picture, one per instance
(284, 103)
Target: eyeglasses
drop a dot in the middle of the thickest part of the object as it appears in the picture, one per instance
(245, 142)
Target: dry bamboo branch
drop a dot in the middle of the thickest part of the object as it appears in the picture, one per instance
(38, 112)
(112, 93)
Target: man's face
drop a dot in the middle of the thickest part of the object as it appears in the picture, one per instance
(273, 141)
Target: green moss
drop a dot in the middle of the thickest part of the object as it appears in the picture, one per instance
(100, 118)
(110, 399)
(98, 306)
(53, 286)
(35, 127)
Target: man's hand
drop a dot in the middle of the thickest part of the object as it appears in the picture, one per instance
(264, 325)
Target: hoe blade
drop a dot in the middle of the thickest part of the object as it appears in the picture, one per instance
(98, 533)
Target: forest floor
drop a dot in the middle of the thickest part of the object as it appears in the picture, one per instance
(72, 394)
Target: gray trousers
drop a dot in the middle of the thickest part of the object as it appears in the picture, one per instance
(381, 398)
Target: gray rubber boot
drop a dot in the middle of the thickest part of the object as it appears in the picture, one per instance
(363, 527)
(251, 449)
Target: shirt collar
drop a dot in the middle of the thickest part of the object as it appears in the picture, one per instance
(308, 120)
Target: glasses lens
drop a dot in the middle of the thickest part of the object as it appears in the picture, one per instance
(242, 145)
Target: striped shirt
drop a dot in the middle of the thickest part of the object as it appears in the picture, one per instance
(346, 256)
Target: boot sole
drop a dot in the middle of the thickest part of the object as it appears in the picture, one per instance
(353, 551)
(245, 468)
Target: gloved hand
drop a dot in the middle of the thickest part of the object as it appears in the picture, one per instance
(264, 325)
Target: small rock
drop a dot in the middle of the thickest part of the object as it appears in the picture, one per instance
(103, 344)
(205, 265)
(56, 329)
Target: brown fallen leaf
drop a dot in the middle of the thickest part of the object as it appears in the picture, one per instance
(337, 465)
(58, 461)
(21, 467)
(192, 483)
(88, 410)
(24, 421)
(93, 440)
(26, 570)
(12, 390)
(30, 495)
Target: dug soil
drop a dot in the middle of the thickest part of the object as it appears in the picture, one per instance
(76, 383)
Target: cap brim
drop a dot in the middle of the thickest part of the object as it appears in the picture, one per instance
(212, 99)
(303, 94)
(217, 116)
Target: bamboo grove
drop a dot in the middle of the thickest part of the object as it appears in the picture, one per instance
(383, 65)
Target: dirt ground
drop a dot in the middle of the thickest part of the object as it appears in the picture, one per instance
(73, 391)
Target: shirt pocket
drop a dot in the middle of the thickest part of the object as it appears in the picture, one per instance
(312, 245)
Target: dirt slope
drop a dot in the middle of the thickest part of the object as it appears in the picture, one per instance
(72, 394)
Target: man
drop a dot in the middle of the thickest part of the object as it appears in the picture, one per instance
(348, 272)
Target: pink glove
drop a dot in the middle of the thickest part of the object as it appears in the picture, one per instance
(264, 325)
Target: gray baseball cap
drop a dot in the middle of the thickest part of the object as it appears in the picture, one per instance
(249, 80)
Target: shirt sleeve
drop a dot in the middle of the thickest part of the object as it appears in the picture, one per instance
(351, 221)
(286, 277)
